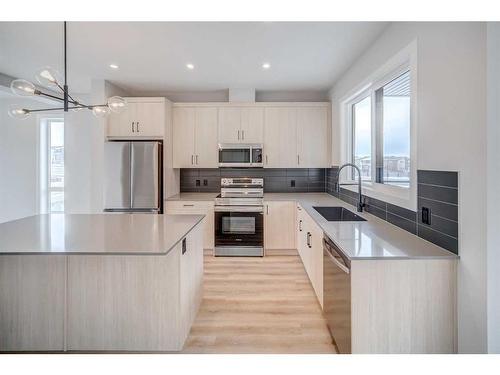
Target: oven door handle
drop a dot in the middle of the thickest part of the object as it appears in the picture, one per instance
(239, 209)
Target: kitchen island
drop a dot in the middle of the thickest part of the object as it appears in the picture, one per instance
(102, 282)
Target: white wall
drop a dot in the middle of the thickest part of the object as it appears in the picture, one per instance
(78, 159)
(18, 163)
(84, 152)
(493, 187)
(451, 135)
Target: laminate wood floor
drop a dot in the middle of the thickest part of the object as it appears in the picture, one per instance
(258, 305)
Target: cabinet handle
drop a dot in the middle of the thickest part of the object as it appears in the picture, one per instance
(184, 246)
(137, 127)
(243, 134)
(308, 240)
(192, 159)
(300, 225)
(266, 159)
(298, 159)
(133, 131)
(267, 209)
(238, 135)
(188, 205)
(196, 158)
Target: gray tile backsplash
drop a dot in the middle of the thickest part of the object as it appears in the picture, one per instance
(276, 180)
(437, 191)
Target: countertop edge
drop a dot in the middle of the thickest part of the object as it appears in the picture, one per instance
(162, 253)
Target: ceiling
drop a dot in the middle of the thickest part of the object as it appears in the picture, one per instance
(152, 56)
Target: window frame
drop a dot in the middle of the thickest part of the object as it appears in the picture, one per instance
(44, 176)
(350, 118)
(405, 60)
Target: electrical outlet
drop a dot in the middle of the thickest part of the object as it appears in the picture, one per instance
(426, 215)
(197, 182)
(292, 183)
(205, 182)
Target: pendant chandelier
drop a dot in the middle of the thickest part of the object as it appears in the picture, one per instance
(49, 78)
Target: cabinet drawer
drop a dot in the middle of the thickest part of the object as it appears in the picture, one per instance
(191, 207)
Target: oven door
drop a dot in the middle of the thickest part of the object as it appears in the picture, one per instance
(239, 228)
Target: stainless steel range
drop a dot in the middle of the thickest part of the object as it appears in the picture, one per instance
(239, 218)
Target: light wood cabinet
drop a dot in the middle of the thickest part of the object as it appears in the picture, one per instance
(302, 238)
(32, 298)
(310, 249)
(196, 208)
(241, 125)
(312, 139)
(316, 262)
(280, 137)
(206, 151)
(195, 137)
(144, 117)
(279, 225)
(294, 135)
(229, 125)
(184, 124)
(191, 280)
(134, 303)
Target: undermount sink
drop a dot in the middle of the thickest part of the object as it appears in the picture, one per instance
(338, 214)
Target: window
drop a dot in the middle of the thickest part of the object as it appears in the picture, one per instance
(362, 137)
(379, 122)
(52, 164)
(394, 117)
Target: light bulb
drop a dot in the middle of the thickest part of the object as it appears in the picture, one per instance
(100, 111)
(18, 112)
(21, 87)
(117, 104)
(48, 77)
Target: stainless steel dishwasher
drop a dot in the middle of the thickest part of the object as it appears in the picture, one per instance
(337, 295)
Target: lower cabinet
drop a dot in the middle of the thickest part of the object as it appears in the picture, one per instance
(279, 225)
(196, 208)
(310, 248)
(191, 280)
(134, 302)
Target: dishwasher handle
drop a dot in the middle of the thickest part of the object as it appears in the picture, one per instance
(333, 254)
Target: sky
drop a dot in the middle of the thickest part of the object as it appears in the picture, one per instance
(396, 126)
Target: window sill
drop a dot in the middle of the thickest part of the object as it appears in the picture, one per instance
(391, 194)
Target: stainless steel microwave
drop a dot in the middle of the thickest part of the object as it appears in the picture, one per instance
(240, 155)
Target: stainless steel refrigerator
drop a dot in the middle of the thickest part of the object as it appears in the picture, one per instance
(134, 176)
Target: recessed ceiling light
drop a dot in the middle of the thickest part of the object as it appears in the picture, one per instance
(113, 66)
(266, 66)
(190, 66)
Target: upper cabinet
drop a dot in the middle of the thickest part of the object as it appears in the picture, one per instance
(280, 137)
(312, 137)
(144, 117)
(195, 137)
(241, 125)
(296, 137)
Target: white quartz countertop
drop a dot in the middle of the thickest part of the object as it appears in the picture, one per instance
(117, 234)
(371, 239)
(359, 240)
